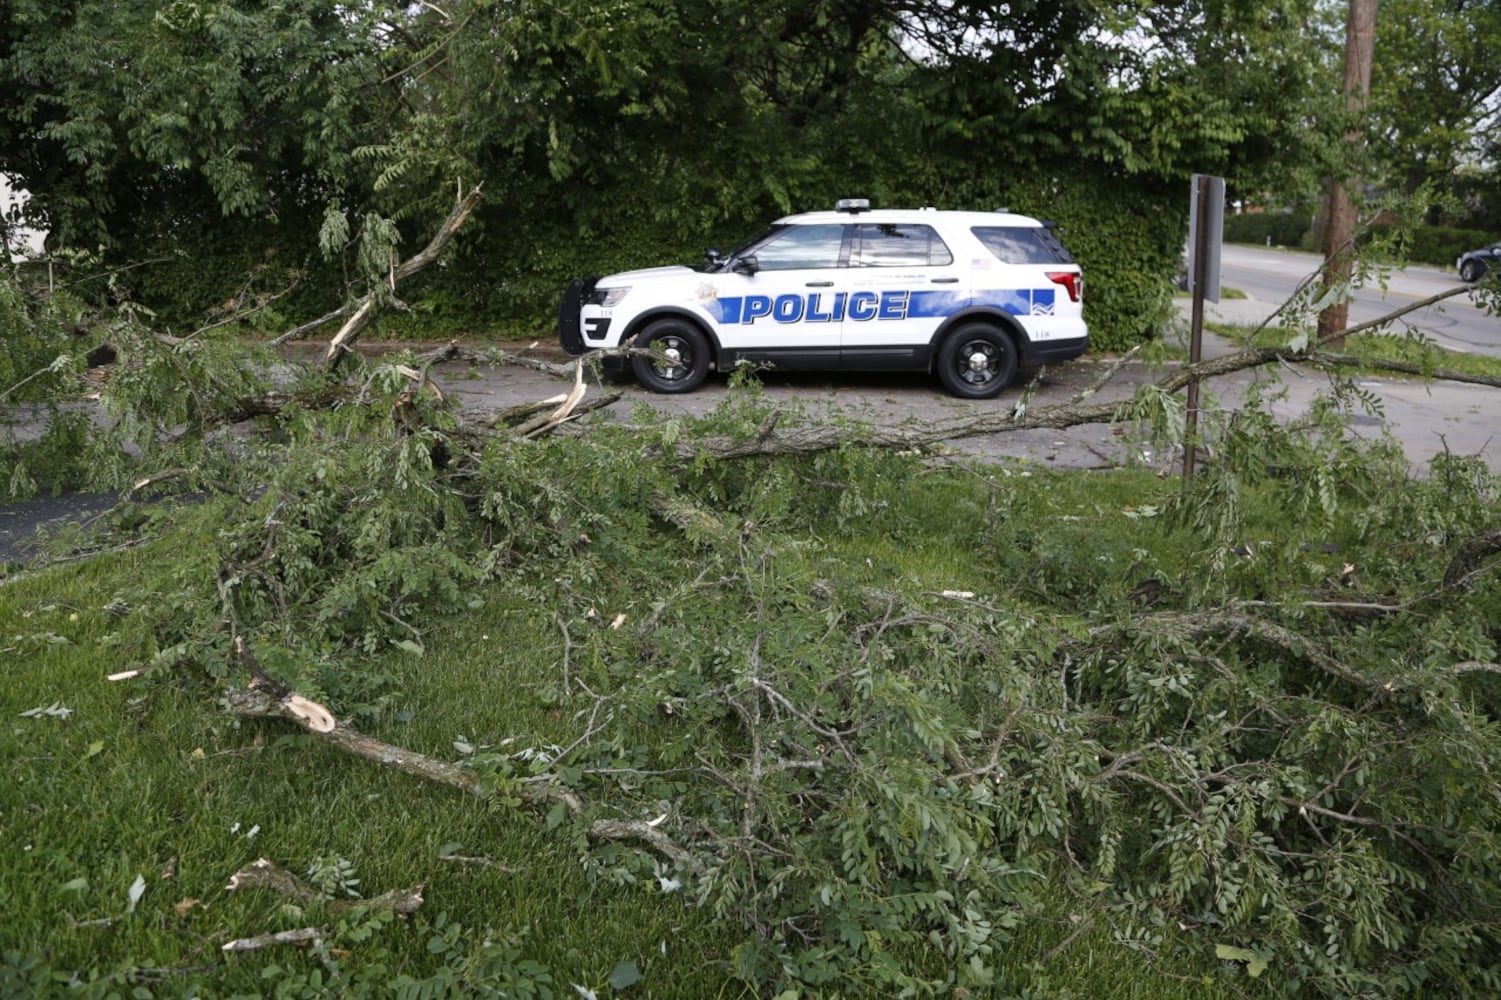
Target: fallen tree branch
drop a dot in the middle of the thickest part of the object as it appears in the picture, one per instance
(1470, 559)
(364, 311)
(255, 703)
(540, 425)
(239, 313)
(469, 859)
(1226, 622)
(258, 704)
(529, 429)
(305, 935)
(453, 351)
(311, 325)
(620, 829)
(1441, 374)
(267, 874)
(272, 403)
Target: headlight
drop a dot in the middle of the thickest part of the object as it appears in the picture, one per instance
(606, 296)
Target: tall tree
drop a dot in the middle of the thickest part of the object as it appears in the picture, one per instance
(1435, 89)
(118, 113)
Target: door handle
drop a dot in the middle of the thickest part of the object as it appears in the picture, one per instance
(945, 281)
(821, 284)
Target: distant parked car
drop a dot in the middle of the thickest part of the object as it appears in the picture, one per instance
(1474, 265)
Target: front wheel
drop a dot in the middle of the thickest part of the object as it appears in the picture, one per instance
(976, 362)
(1473, 270)
(679, 358)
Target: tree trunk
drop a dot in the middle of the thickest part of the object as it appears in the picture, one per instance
(1360, 38)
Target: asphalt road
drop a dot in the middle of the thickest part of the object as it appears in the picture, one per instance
(1268, 277)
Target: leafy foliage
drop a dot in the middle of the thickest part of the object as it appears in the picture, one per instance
(872, 717)
(1264, 718)
(1433, 92)
(628, 134)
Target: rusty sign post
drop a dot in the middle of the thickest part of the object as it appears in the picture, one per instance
(1206, 227)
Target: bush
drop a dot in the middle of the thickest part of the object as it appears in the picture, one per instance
(1438, 245)
(1129, 246)
(507, 268)
(1283, 229)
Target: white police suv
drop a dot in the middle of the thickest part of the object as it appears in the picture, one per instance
(971, 295)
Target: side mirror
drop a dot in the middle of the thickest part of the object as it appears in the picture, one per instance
(747, 265)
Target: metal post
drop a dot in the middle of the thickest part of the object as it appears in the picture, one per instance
(1200, 278)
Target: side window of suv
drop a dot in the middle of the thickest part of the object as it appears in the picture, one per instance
(1023, 244)
(798, 247)
(887, 245)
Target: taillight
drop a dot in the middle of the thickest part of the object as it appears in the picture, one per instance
(1072, 280)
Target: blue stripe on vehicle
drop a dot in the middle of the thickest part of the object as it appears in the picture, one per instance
(868, 305)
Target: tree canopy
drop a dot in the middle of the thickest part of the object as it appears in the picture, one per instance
(598, 128)
(1436, 97)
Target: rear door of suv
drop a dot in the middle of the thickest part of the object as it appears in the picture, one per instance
(904, 280)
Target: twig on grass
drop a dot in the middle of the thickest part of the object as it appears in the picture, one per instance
(266, 874)
(543, 791)
(483, 862)
(302, 936)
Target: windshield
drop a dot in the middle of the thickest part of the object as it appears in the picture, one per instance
(712, 267)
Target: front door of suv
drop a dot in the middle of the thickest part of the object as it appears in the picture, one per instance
(903, 282)
(782, 309)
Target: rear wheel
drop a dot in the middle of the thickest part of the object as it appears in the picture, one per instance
(976, 361)
(679, 358)
(1472, 270)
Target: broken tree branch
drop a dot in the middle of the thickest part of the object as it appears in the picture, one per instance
(311, 325)
(258, 704)
(364, 311)
(254, 703)
(267, 874)
(1470, 558)
(1441, 374)
(304, 935)
(540, 425)
(620, 829)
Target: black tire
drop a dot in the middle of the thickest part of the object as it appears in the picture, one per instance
(679, 361)
(976, 361)
(1472, 270)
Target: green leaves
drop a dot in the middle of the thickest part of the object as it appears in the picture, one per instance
(624, 976)
(1256, 962)
(624, 134)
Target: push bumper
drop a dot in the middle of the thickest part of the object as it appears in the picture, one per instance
(570, 309)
